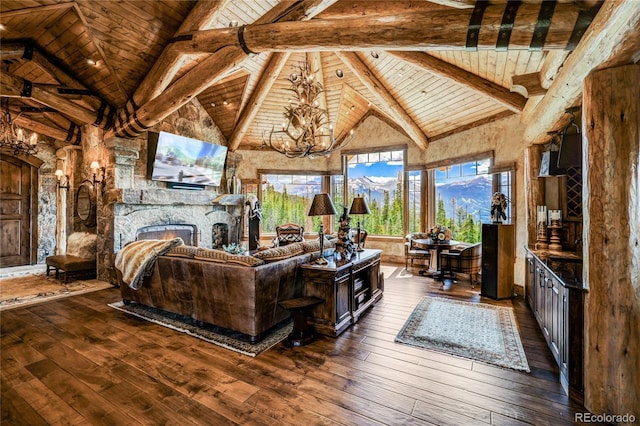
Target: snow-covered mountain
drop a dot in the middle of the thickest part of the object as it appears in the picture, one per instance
(473, 195)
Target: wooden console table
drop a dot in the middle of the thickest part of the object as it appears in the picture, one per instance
(347, 287)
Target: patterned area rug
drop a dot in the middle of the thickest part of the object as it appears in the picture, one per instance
(471, 330)
(209, 333)
(29, 289)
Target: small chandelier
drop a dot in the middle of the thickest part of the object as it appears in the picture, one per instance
(306, 131)
(13, 136)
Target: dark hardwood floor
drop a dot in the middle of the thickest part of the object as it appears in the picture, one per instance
(78, 361)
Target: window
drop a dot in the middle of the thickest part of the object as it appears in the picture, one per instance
(414, 197)
(286, 199)
(462, 198)
(379, 177)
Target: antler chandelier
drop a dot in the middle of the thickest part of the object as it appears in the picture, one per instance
(306, 131)
(13, 136)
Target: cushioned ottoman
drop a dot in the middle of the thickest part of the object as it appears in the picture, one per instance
(80, 259)
(71, 265)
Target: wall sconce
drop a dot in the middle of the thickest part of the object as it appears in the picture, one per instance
(59, 175)
(95, 166)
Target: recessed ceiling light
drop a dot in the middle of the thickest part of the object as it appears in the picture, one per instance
(92, 62)
(424, 92)
(374, 54)
(213, 104)
(233, 23)
(339, 73)
(2, 27)
(225, 102)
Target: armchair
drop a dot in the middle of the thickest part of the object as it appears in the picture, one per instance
(414, 250)
(289, 233)
(463, 260)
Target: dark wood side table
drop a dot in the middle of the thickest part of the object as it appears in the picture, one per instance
(347, 288)
(302, 333)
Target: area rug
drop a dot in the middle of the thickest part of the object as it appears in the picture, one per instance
(29, 289)
(209, 333)
(476, 331)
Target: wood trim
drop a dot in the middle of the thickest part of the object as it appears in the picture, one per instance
(292, 172)
(356, 151)
(458, 160)
(472, 125)
(503, 167)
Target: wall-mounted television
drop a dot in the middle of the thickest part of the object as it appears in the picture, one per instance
(184, 162)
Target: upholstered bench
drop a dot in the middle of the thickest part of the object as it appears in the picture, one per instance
(80, 259)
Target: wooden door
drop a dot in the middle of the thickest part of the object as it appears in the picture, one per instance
(18, 194)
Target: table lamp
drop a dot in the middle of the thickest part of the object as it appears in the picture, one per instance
(359, 206)
(322, 206)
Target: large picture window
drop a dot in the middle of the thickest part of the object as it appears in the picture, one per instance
(286, 198)
(462, 193)
(379, 177)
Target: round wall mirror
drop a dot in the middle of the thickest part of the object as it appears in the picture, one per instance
(86, 204)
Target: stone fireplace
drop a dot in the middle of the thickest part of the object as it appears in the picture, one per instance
(134, 207)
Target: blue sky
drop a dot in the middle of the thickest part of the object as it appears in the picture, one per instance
(390, 169)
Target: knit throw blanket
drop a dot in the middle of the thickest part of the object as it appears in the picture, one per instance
(136, 259)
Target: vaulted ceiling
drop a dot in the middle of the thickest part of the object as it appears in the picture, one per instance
(432, 68)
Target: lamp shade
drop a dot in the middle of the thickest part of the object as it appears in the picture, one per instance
(359, 206)
(322, 205)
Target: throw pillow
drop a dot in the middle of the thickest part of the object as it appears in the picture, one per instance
(220, 256)
(182, 251)
(280, 253)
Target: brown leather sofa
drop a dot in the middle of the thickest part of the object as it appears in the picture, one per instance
(225, 290)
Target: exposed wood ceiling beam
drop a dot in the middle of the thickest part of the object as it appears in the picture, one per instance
(169, 61)
(509, 100)
(421, 30)
(459, 4)
(612, 31)
(271, 72)
(72, 134)
(213, 67)
(377, 87)
(12, 87)
(472, 125)
(29, 51)
(527, 85)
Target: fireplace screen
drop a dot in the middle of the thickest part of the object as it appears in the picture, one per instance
(167, 232)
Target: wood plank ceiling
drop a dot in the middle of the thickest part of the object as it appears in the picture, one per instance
(124, 56)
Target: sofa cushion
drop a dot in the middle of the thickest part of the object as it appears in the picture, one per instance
(183, 251)
(82, 244)
(279, 253)
(314, 246)
(221, 256)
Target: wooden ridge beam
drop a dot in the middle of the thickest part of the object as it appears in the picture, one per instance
(267, 79)
(445, 29)
(613, 30)
(377, 87)
(442, 69)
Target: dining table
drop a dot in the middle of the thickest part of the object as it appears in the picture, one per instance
(438, 246)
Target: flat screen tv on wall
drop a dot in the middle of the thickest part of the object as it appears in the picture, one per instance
(184, 162)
